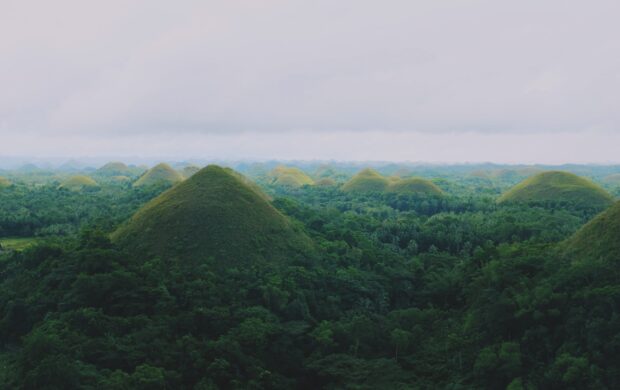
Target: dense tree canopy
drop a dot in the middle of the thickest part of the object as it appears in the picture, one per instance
(406, 291)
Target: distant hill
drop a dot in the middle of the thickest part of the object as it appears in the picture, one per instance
(114, 168)
(599, 238)
(612, 179)
(161, 174)
(365, 181)
(506, 173)
(326, 182)
(190, 170)
(78, 183)
(289, 177)
(4, 182)
(214, 214)
(558, 186)
(415, 186)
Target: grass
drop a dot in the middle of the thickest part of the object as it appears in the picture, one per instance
(161, 174)
(18, 243)
(114, 168)
(78, 182)
(366, 181)
(599, 238)
(214, 214)
(190, 171)
(369, 180)
(415, 186)
(558, 186)
(290, 177)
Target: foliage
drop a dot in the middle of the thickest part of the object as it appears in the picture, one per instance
(78, 183)
(204, 215)
(397, 291)
(558, 187)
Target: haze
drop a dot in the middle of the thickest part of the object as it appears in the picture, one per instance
(451, 81)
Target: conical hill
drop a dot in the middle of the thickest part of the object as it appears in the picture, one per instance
(561, 187)
(213, 215)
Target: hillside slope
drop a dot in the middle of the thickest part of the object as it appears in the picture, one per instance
(290, 177)
(558, 186)
(415, 186)
(114, 168)
(599, 238)
(214, 214)
(78, 182)
(365, 181)
(161, 174)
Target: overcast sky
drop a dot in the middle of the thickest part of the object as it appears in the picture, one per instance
(437, 80)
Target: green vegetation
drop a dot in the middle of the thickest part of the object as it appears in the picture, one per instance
(415, 186)
(160, 175)
(79, 183)
(18, 243)
(558, 187)
(366, 181)
(114, 169)
(4, 182)
(326, 182)
(290, 177)
(214, 285)
(612, 179)
(202, 216)
(120, 179)
(371, 181)
(190, 171)
(599, 239)
(507, 173)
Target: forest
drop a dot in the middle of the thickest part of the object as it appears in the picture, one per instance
(304, 275)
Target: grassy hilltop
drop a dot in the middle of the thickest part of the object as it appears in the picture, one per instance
(415, 185)
(78, 183)
(160, 174)
(214, 214)
(558, 186)
(369, 180)
(290, 177)
(114, 168)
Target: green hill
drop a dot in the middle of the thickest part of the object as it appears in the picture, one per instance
(506, 173)
(599, 238)
(289, 177)
(114, 168)
(557, 186)
(365, 181)
(4, 182)
(415, 186)
(214, 214)
(190, 171)
(78, 183)
(161, 174)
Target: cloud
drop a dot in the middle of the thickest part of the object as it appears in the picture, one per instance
(212, 67)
